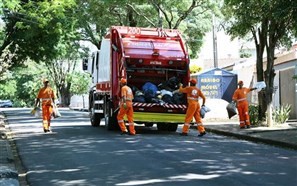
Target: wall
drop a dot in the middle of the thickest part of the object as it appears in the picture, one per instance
(287, 90)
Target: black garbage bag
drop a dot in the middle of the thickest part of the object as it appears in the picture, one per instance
(167, 99)
(179, 98)
(231, 109)
(139, 98)
(171, 84)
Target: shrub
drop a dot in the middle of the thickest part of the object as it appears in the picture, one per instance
(281, 115)
(254, 114)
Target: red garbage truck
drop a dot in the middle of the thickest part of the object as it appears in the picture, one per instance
(141, 55)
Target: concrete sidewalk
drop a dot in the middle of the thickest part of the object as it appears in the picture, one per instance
(282, 135)
(8, 171)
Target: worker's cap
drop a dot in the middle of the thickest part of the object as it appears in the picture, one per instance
(45, 80)
(240, 82)
(193, 81)
(123, 80)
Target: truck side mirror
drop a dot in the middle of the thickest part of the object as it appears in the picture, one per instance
(85, 64)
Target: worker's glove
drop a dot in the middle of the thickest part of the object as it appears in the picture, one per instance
(125, 106)
(180, 85)
(175, 91)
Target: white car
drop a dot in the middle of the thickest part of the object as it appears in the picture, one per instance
(5, 103)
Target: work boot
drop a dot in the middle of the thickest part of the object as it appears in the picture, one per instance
(248, 126)
(183, 134)
(124, 133)
(201, 134)
(242, 127)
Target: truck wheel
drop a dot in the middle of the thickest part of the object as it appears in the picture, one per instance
(111, 123)
(95, 118)
(172, 127)
(162, 126)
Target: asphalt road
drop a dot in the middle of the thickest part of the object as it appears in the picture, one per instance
(78, 154)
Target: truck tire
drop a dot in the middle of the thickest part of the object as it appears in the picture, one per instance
(95, 119)
(172, 127)
(111, 122)
(162, 126)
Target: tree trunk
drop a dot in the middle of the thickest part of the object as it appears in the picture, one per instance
(269, 78)
(269, 115)
(261, 94)
(65, 96)
(260, 46)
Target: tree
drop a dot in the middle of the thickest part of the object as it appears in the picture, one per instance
(7, 88)
(271, 24)
(21, 84)
(192, 18)
(61, 69)
(63, 73)
(28, 82)
(49, 31)
(80, 84)
(32, 29)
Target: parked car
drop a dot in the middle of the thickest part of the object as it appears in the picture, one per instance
(5, 103)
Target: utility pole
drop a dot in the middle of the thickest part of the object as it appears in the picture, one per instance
(214, 38)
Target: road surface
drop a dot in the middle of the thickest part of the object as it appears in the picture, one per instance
(78, 154)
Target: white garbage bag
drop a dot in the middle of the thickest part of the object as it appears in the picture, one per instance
(260, 85)
(203, 111)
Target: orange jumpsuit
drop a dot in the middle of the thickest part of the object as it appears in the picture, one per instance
(242, 105)
(193, 93)
(46, 94)
(127, 97)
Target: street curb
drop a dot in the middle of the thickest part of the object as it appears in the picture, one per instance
(254, 139)
(20, 172)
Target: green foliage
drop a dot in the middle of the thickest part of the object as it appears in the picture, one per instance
(80, 83)
(33, 29)
(192, 18)
(281, 115)
(50, 32)
(7, 89)
(271, 23)
(254, 114)
(22, 85)
(195, 68)
(21, 103)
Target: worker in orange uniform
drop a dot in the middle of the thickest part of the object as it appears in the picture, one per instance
(46, 97)
(240, 97)
(126, 108)
(193, 94)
